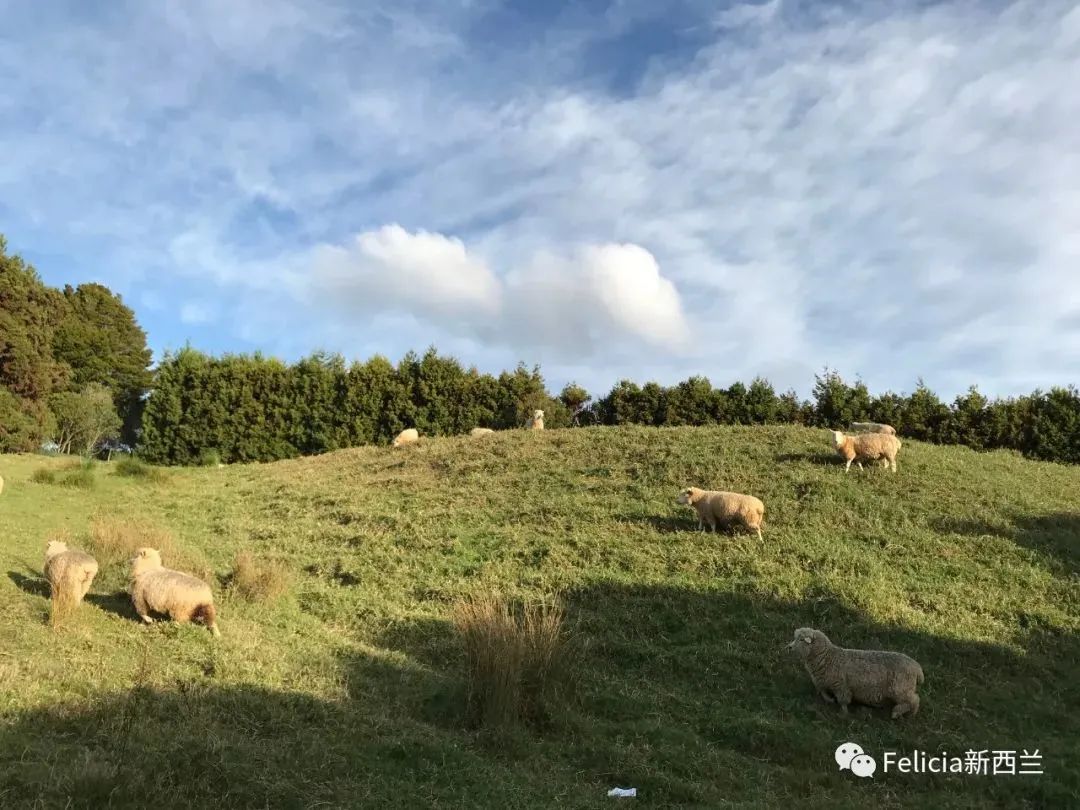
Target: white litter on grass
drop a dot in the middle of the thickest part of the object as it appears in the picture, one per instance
(623, 793)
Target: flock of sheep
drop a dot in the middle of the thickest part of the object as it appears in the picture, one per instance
(870, 677)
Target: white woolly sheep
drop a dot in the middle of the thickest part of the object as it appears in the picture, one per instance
(872, 427)
(537, 421)
(1, 484)
(69, 573)
(724, 508)
(475, 432)
(866, 447)
(407, 436)
(870, 677)
(156, 588)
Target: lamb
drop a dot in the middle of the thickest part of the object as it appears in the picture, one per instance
(407, 436)
(873, 427)
(870, 677)
(182, 596)
(476, 432)
(866, 447)
(69, 573)
(724, 508)
(537, 421)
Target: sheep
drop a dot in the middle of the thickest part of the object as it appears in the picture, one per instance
(537, 421)
(182, 596)
(407, 436)
(1, 485)
(872, 427)
(476, 432)
(725, 508)
(870, 677)
(69, 573)
(866, 447)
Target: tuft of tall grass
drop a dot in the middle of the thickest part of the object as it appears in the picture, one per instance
(258, 579)
(78, 475)
(519, 659)
(209, 458)
(132, 467)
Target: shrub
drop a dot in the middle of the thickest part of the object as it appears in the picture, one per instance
(132, 467)
(258, 580)
(43, 476)
(209, 458)
(79, 475)
(517, 660)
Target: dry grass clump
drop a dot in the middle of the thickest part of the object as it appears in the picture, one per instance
(77, 475)
(114, 542)
(258, 579)
(518, 660)
(132, 467)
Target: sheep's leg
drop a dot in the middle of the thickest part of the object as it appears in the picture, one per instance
(825, 694)
(893, 463)
(843, 697)
(759, 537)
(908, 705)
(142, 608)
(847, 468)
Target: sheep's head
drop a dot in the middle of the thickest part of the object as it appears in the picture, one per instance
(689, 496)
(838, 438)
(538, 414)
(55, 547)
(145, 559)
(808, 640)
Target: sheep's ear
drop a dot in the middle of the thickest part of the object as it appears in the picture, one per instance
(808, 639)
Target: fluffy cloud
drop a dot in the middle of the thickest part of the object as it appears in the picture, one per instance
(577, 302)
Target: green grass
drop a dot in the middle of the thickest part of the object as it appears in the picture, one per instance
(132, 467)
(351, 689)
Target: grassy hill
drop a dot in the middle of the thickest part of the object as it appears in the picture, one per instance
(349, 690)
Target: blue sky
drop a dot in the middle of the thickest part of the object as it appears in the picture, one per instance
(610, 189)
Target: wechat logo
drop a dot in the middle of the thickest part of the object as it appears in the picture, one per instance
(850, 756)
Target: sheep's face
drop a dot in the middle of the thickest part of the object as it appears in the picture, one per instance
(837, 438)
(538, 415)
(55, 547)
(806, 641)
(145, 559)
(689, 496)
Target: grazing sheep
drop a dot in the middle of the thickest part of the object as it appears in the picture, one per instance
(537, 421)
(1, 484)
(724, 508)
(69, 573)
(182, 596)
(407, 436)
(870, 677)
(873, 427)
(866, 447)
(475, 432)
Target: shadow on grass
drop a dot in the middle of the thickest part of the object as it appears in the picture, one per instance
(810, 458)
(118, 603)
(1055, 535)
(33, 585)
(665, 524)
(687, 695)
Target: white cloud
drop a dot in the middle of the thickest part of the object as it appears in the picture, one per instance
(197, 312)
(578, 301)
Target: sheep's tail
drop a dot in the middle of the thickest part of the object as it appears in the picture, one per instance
(206, 614)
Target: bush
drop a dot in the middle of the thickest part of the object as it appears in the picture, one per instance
(43, 476)
(131, 467)
(209, 458)
(517, 660)
(258, 580)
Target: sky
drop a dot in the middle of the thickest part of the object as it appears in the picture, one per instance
(608, 188)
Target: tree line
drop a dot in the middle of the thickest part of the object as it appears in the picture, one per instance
(74, 369)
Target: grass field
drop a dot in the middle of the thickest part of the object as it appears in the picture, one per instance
(348, 691)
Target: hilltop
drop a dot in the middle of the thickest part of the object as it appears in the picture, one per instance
(347, 691)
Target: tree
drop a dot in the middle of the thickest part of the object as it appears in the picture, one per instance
(84, 419)
(575, 398)
(99, 339)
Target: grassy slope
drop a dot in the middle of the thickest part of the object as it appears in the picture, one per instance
(347, 692)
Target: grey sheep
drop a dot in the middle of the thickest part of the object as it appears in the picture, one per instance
(873, 427)
(870, 677)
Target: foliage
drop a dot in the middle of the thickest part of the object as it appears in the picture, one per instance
(132, 467)
(84, 419)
